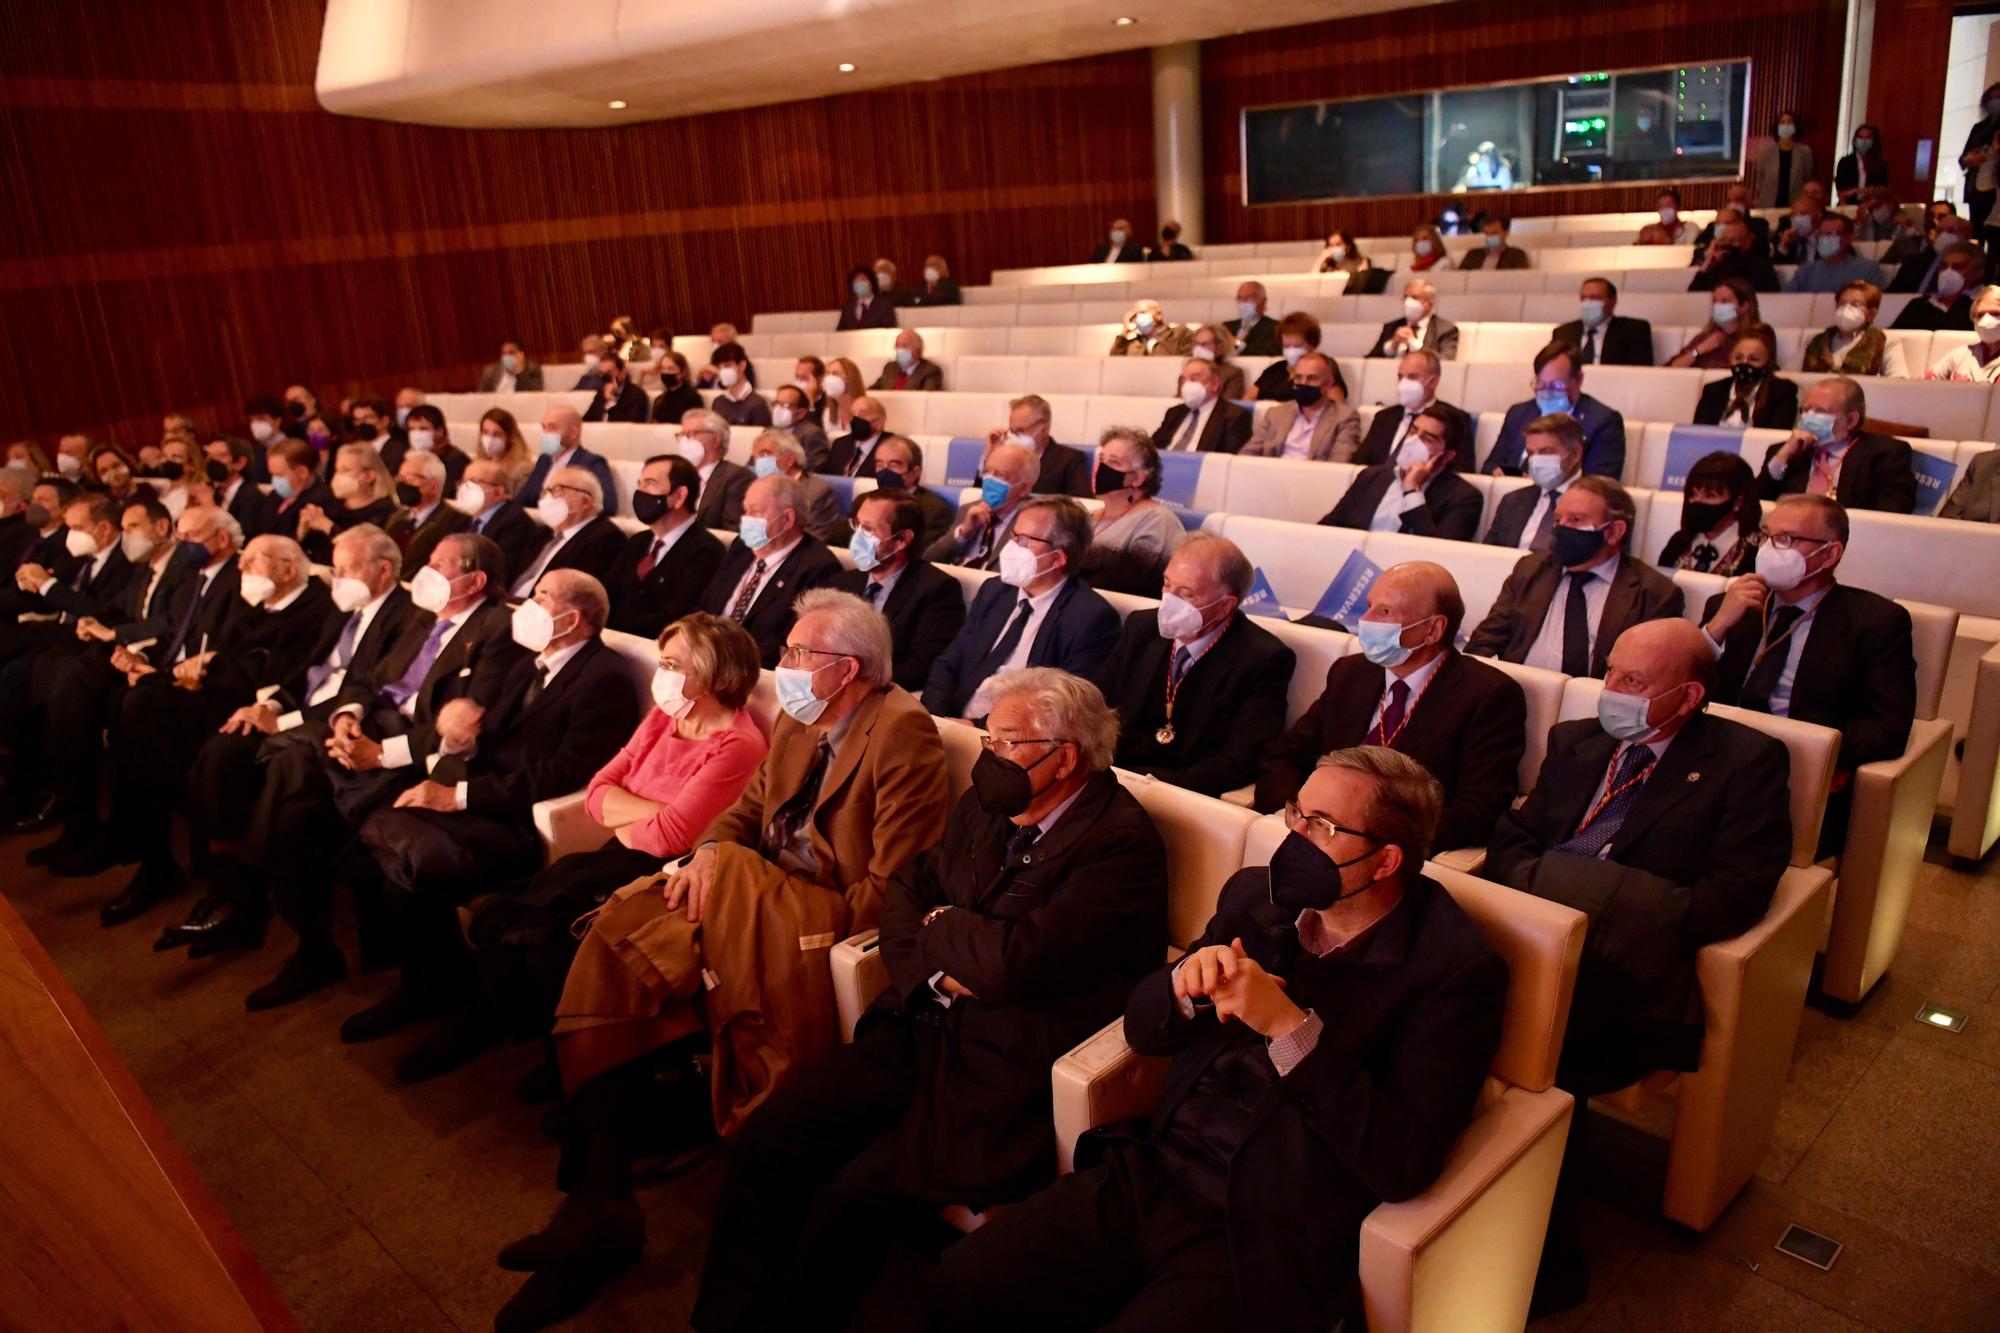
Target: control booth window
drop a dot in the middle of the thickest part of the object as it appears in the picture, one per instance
(1680, 122)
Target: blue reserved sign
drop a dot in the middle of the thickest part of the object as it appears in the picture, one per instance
(1263, 601)
(1347, 596)
(962, 458)
(1688, 445)
(1934, 476)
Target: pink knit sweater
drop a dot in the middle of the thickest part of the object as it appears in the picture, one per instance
(694, 781)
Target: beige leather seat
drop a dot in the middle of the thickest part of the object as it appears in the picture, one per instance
(1975, 806)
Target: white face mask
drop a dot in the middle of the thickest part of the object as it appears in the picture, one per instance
(1423, 247)
(553, 510)
(80, 544)
(351, 594)
(262, 430)
(933, 277)
(1180, 618)
(1850, 317)
(668, 687)
(256, 589)
(1668, 214)
(1293, 353)
(470, 500)
(1194, 393)
(493, 445)
(835, 384)
(1205, 353)
(423, 440)
(1782, 571)
(1591, 312)
(1413, 310)
(728, 377)
(905, 357)
(1413, 452)
(402, 416)
(1950, 282)
(430, 590)
(137, 546)
(1546, 470)
(1410, 392)
(1988, 328)
(534, 627)
(781, 416)
(805, 387)
(692, 449)
(1787, 131)
(1022, 438)
(69, 465)
(1019, 566)
(1624, 716)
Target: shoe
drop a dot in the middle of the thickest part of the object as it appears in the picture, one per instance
(301, 975)
(231, 928)
(585, 1224)
(554, 1294)
(183, 933)
(399, 1010)
(457, 1042)
(150, 887)
(542, 1086)
(42, 818)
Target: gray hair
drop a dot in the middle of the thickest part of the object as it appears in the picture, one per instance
(1134, 435)
(1073, 529)
(429, 464)
(1035, 403)
(1030, 461)
(855, 629)
(700, 418)
(1065, 708)
(1405, 805)
(285, 551)
(583, 479)
(581, 593)
(790, 493)
(19, 479)
(788, 446)
(379, 544)
(1225, 558)
(225, 523)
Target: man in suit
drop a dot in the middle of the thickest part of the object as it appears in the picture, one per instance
(1552, 456)
(1256, 333)
(1420, 328)
(1976, 498)
(377, 424)
(1037, 613)
(1000, 959)
(1417, 492)
(1495, 252)
(908, 371)
(1601, 335)
(296, 486)
(770, 564)
(226, 466)
(1795, 642)
(981, 532)
(1203, 421)
(791, 410)
(378, 625)
(580, 536)
(52, 602)
(852, 791)
(1059, 469)
(1953, 250)
(1329, 1034)
(724, 485)
(1317, 423)
(319, 784)
(1733, 254)
(1829, 454)
(1119, 248)
(559, 716)
(1563, 611)
(899, 466)
(1738, 206)
(514, 372)
(1960, 272)
(482, 498)
(1558, 387)
(660, 575)
(1199, 686)
(853, 454)
(778, 453)
(1410, 689)
(561, 447)
(1417, 375)
(923, 604)
(1148, 332)
(424, 519)
(617, 397)
(1669, 828)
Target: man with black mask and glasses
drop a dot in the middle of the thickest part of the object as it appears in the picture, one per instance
(1330, 1032)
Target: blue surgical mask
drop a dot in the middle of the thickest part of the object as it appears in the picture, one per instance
(551, 443)
(1591, 311)
(1545, 470)
(281, 486)
(1828, 246)
(796, 697)
(765, 466)
(862, 289)
(1382, 642)
(754, 531)
(862, 546)
(1551, 401)
(1819, 425)
(994, 492)
(1624, 716)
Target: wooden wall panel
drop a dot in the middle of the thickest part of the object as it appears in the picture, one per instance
(1795, 44)
(1908, 63)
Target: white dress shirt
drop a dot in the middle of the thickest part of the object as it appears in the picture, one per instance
(1187, 436)
(1547, 650)
(1397, 502)
(1298, 440)
(1795, 647)
(551, 664)
(330, 687)
(1543, 504)
(981, 702)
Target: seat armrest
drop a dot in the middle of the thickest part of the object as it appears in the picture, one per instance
(565, 826)
(1975, 816)
(1471, 860)
(859, 975)
(1102, 1081)
(1244, 795)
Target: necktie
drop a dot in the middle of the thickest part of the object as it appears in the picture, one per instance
(1186, 440)
(1543, 541)
(871, 592)
(1590, 347)
(177, 645)
(412, 679)
(1576, 627)
(1773, 649)
(1179, 666)
(1622, 793)
(1393, 711)
(749, 593)
(343, 653)
(652, 556)
(1004, 647)
(537, 685)
(797, 809)
(1018, 843)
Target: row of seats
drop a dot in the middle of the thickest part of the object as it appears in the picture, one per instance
(1394, 254)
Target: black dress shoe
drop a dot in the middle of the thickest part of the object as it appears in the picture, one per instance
(554, 1294)
(585, 1224)
(183, 933)
(457, 1042)
(52, 850)
(400, 1009)
(301, 975)
(150, 887)
(231, 928)
(41, 818)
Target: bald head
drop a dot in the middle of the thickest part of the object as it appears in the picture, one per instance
(565, 421)
(1669, 662)
(1423, 598)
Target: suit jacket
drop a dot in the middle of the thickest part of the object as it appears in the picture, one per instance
(1368, 1117)
(672, 588)
(535, 743)
(1511, 515)
(1696, 860)
(1924, 315)
(1174, 340)
(924, 376)
(823, 517)
(1336, 436)
(879, 313)
(1469, 727)
(1442, 338)
(1603, 438)
(593, 548)
(722, 495)
(138, 622)
(1626, 342)
(1386, 431)
(839, 456)
(1451, 506)
(101, 595)
(1051, 943)
(1638, 592)
(420, 542)
(1506, 257)
(1227, 429)
(806, 566)
(1077, 635)
(530, 493)
(197, 614)
(925, 610)
(255, 645)
(253, 509)
(1229, 706)
(473, 665)
(1777, 405)
(945, 293)
(1065, 471)
(282, 517)
(1876, 474)
(1857, 671)
(398, 619)
(1751, 268)
(1261, 340)
(1976, 498)
(518, 536)
(632, 405)
(1129, 253)
(526, 380)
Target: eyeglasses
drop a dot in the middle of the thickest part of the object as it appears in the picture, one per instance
(1784, 541)
(1007, 749)
(1318, 827)
(1021, 536)
(795, 654)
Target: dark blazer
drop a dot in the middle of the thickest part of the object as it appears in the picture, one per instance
(1638, 592)
(1369, 1117)
(255, 646)
(925, 376)
(632, 405)
(1051, 943)
(671, 589)
(1924, 315)
(594, 548)
(421, 542)
(1130, 253)
(282, 517)
(1876, 474)
(1387, 427)
(1230, 704)
(878, 313)
(1918, 274)
(472, 665)
(1469, 728)
(253, 508)
(1857, 671)
(1077, 635)
(195, 614)
(675, 403)
(397, 619)
(318, 546)
(722, 495)
(137, 622)
(1754, 269)
(528, 380)
(944, 293)
(1626, 342)
(750, 410)
(1510, 516)
(518, 536)
(550, 745)
(1695, 861)
(1065, 471)
(1504, 257)
(1603, 438)
(812, 438)
(530, 493)
(100, 596)
(1261, 340)
(1443, 338)
(938, 518)
(1451, 506)
(807, 566)
(840, 454)
(1777, 407)
(925, 610)
(1226, 431)
(1976, 498)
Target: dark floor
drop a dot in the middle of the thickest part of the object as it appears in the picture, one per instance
(379, 1207)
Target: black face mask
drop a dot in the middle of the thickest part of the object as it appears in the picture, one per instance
(1701, 515)
(886, 480)
(408, 495)
(296, 411)
(1304, 878)
(216, 471)
(670, 381)
(1305, 395)
(1576, 546)
(170, 470)
(367, 432)
(862, 429)
(1109, 479)
(648, 508)
(1746, 374)
(1001, 786)
(36, 515)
